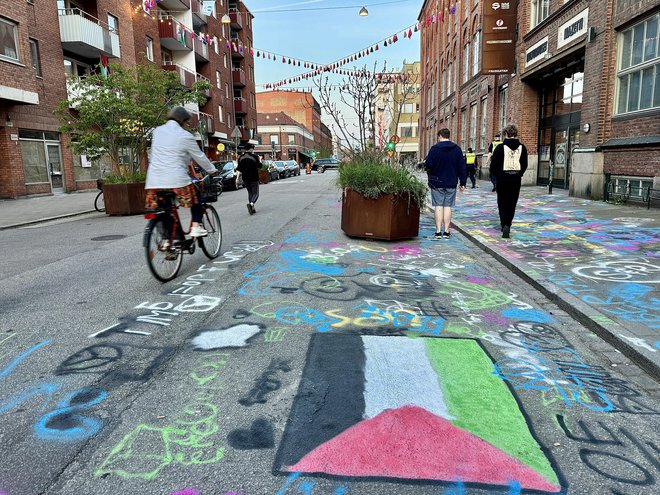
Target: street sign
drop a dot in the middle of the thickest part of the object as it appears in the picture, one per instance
(236, 133)
(395, 139)
(499, 32)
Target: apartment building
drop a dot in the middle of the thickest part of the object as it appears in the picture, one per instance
(282, 138)
(302, 107)
(38, 56)
(584, 90)
(406, 102)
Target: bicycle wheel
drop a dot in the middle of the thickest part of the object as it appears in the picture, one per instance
(163, 260)
(99, 202)
(212, 243)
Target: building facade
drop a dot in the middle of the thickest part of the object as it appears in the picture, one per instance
(406, 101)
(282, 138)
(38, 57)
(584, 91)
(302, 107)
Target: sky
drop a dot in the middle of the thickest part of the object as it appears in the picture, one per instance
(326, 34)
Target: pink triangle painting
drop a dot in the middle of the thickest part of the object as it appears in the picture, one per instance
(412, 443)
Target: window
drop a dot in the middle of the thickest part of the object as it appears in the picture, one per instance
(539, 11)
(638, 76)
(221, 113)
(636, 187)
(482, 135)
(217, 80)
(8, 39)
(226, 90)
(113, 23)
(292, 139)
(450, 87)
(228, 119)
(216, 44)
(224, 60)
(466, 62)
(150, 49)
(274, 139)
(463, 126)
(476, 51)
(473, 126)
(34, 52)
(407, 131)
(502, 116)
(408, 108)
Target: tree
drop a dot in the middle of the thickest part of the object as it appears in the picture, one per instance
(114, 115)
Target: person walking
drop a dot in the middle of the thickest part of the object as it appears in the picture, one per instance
(248, 167)
(445, 167)
(491, 147)
(471, 165)
(508, 164)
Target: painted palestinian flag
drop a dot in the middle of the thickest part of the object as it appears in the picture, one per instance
(417, 409)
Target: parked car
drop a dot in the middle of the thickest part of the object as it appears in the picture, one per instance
(322, 164)
(282, 168)
(269, 165)
(294, 168)
(228, 175)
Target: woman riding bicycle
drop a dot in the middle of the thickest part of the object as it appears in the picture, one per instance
(172, 148)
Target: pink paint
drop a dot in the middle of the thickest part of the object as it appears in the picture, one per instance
(495, 319)
(412, 443)
(479, 280)
(403, 249)
(187, 491)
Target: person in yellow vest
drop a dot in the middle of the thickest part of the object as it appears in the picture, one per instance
(491, 147)
(471, 166)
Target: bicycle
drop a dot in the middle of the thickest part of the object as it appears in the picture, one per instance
(99, 202)
(165, 239)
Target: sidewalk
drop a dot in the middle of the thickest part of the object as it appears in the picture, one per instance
(24, 211)
(596, 261)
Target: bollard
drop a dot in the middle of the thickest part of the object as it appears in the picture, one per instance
(550, 176)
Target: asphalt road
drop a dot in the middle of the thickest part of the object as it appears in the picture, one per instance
(302, 361)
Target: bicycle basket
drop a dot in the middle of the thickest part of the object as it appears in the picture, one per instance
(211, 188)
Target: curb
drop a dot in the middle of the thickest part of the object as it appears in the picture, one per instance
(42, 220)
(576, 309)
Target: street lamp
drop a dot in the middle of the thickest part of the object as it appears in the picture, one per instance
(364, 12)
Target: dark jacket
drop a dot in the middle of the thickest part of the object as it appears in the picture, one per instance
(248, 165)
(497, 160)
(445, 165)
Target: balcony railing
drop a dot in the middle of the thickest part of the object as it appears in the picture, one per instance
(200, 77)
(245, 134)
(238, 76)
(87, 36)
(237, 51)
(186, 76)
(240, 106)
(201, 51)
(172, 34)
(236, 19)
(208, 119)
(174, 4)
(199, 17)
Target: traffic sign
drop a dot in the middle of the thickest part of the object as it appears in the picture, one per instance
(395, 139)
(236, 133)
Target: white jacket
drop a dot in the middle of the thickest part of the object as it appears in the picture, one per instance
(172, 148)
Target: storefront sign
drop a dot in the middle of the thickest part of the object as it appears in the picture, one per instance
(573, 29)
(536, 52)
(207, 7)
(291, 151)
(499, 32)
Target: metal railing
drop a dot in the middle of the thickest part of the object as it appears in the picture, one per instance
(89, 17)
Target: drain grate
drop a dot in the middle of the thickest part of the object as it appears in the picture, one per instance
(112, 237)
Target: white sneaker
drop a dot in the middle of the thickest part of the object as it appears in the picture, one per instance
(165, 245)
(198, 231)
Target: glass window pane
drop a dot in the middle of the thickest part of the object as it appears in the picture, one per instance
(34, 161)
(638, 44)
(633, 93)
(626, 49)
(656, 92)
(8, 39)
(651, 39)
(646, 98)
(622, 107)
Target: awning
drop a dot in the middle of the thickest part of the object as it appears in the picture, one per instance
(306, 154)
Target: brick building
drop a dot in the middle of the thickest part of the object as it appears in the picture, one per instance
(282, 138)
(585, 90)
(37, 56)
(302, 107)
(406, 101)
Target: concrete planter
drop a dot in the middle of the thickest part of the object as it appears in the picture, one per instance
(390, 217)
(124, 199)
(264, 177)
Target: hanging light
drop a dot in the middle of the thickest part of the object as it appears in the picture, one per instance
(226, 19)
(364, 12)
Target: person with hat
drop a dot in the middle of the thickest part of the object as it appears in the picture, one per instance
(172, 148)
(491, 147)
(248, 167)
(471, 164)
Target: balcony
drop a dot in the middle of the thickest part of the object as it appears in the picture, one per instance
(201, 51)
(238, 77)
(207, 121)
(187, 77)
(237, 51)
(240, 106)
(199, 18)
(174, 4)
(86, 36)
(236, 19)
(245, 134)
(171, 35)
(205, 79)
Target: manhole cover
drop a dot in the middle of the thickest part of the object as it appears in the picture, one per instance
(112, 237)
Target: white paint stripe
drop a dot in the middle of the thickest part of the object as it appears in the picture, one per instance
(397, 372)
(104, 330)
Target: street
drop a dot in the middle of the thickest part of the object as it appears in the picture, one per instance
(301, 361)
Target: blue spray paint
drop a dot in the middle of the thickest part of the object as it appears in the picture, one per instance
(75, 427)
(15, 362)
(528, 315)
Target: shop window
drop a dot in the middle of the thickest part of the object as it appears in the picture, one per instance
(638, 75)
(34, 162)
(8, 39)
(292, 139)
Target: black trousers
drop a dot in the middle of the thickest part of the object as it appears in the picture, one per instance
(253, 191)
(471, 170)
(508, 191)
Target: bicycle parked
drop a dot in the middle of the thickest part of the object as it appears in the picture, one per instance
(165, 239)
(99, 202)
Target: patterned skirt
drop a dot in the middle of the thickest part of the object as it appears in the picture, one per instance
(186, 196)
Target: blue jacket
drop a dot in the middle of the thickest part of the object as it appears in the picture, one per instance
(445, 165)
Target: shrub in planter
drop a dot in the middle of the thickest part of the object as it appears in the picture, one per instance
(379, 200)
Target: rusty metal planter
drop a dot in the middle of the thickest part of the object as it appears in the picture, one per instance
(390, 217)
(124, 199)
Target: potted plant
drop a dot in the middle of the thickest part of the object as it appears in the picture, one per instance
(380, 200)
(113, 114)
